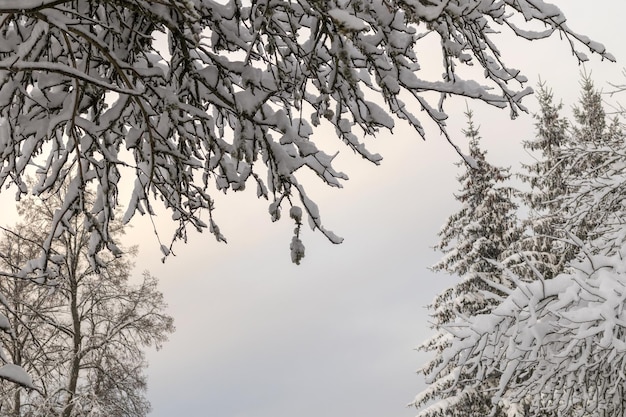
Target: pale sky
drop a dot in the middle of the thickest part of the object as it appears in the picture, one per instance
(335, 336)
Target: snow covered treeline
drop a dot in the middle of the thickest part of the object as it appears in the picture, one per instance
(232, 97)
(552, 340)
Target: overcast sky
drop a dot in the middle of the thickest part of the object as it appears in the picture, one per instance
(335, 336)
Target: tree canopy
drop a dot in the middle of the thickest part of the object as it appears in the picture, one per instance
(232, 96)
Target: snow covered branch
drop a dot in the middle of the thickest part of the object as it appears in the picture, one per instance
(558, 344)
(236, 95)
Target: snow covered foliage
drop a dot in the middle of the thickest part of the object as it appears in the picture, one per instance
(558, 346)
(233, 96)
(473, 241)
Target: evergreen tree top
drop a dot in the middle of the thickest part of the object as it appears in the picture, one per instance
(589, 114)
(482, 228)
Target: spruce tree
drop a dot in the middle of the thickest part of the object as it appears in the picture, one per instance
(592, 158)
(590, 117)
(557, 346)
(543, 246)
(481, 232)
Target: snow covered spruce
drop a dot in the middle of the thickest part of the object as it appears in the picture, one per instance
(483, 230)
(553, 340)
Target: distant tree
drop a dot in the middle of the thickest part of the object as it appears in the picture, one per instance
(591, 120)
(24, 336)
(544, 248)
(191, 97)
(81, 335)
(559, 345)
(474, 241)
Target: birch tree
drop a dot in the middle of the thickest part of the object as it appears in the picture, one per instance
(81, 337)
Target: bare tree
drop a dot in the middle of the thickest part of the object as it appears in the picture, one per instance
(82, 335)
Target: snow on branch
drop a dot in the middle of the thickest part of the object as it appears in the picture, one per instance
(554, 344)
(236, 94)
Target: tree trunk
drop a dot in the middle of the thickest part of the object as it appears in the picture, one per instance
(77, 336)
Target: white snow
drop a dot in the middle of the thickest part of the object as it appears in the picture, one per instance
(16, 374)
(347, 21)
